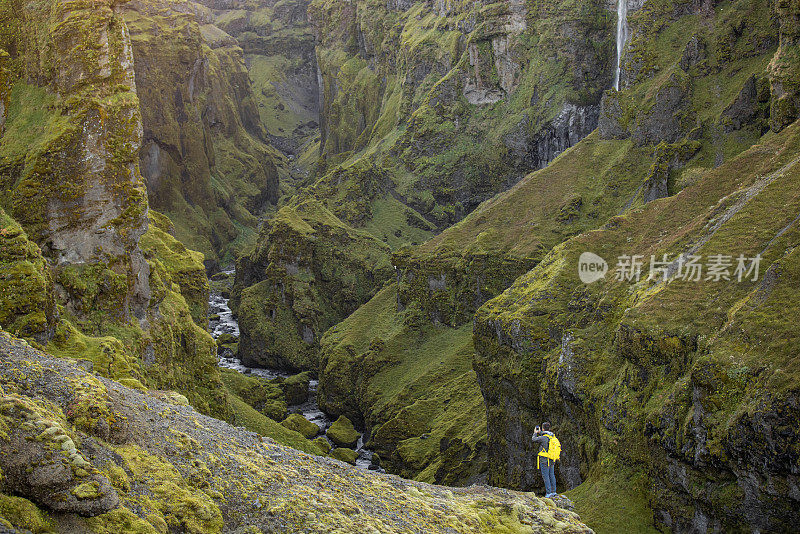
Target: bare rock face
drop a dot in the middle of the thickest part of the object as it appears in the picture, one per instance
(785, 68)
(669, 118)
(570, 125)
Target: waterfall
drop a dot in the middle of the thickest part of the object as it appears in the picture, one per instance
(622, 38)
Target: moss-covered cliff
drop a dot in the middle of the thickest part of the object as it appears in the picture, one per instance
(308, 272)
(458, 100)
(665, 389)
(205, 156)
(87, 270)
(686, 381)
(68, 158)
(703, 99)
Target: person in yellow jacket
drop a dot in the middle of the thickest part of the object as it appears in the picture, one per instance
(549, 452)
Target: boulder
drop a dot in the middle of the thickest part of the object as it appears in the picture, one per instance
(345, 455)
(41, 462)
(300, 424)
(342, 433)
(295, 388)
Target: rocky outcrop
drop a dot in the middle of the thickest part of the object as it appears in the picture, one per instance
(308, 272)
(73, 179)
(41, 461)
(750, 106)
(570, 125)
(194, 473)
(783, 71)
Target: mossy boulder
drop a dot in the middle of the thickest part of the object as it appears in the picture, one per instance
(41, 461)
(295, 388)
(345, 455)
(300, 424)
(342, 433)
(260, 393)
(323, 444)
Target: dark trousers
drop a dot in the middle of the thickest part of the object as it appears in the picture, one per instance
(548, 469)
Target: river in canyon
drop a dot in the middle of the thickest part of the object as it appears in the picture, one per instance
(223, 322)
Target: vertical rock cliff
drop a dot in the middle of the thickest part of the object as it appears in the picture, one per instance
(205, 155)
(88, 270)
(71, 145)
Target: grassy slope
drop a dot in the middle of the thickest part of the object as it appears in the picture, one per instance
(541, 211)
(415, 386)
(614, 500)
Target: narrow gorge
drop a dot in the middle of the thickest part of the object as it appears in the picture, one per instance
(328, 265)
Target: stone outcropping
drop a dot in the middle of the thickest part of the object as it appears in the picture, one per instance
(75, 184)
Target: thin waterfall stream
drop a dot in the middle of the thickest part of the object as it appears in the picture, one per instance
(622, 38)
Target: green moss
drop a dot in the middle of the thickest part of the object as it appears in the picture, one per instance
(248, 417)
(33, 122)
(23, 514)
(87, 490)
(322, 444)
(108, 354)
(614, 500)
(27, 302)
(345, 455)
(342, 433)
(301, 425)
(180, 265)
(123, 520)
